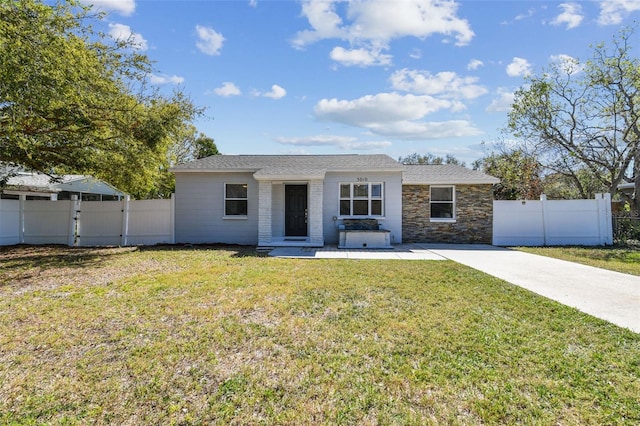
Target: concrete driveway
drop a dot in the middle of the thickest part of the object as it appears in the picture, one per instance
(612, 296)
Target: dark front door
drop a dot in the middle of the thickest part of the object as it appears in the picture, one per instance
(295, 210)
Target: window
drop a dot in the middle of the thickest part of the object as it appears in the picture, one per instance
(235, 199)
(442, 203)
(361, 199)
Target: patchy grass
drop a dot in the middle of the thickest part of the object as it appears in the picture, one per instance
(225, 336)
(625, 260)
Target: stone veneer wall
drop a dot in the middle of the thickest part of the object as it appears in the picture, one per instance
(474, 216)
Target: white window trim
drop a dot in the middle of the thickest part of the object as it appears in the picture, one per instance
(225, 216)
(369, 199)
(453, 202)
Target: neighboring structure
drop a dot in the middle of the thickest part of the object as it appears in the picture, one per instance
(302, 200)
(38, 186)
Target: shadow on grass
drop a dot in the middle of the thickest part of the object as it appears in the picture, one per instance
(49, 266)
(55, 256)
(235, 250)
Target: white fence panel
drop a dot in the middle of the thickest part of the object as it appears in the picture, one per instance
(47, 222)
(9, 222)
(100, 223)
(87, 223)
(518, 223)
(556, 222)
(150, 222)
(572, 222)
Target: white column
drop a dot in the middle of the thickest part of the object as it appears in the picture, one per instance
(316, 194)
(264, 212)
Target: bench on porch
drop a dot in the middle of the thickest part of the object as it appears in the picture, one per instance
(363, 233)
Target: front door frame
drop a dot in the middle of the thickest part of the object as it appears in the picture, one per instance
(298, 224)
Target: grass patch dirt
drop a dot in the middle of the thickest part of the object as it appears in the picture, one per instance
(625, 260)
(227, 336)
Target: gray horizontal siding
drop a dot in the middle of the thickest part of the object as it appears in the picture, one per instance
(199, 209)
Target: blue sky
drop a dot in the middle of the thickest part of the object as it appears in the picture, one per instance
(358, 76)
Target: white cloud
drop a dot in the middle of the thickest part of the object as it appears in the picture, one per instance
(415, 54)
(276, 92)
(383, 20)
(323, 19)
(571, 15)
(427, 130)
(227, 89)
(566, 63)
(394, 115)
(474, 64)
(518, 67)
(502, 103)
(380, 108)
(123, 7)
(210, 42)
(166, 79)
(447, 84)
(359, 57)
(123, 32)
(253, 3)
(342, 142)
(522, 16)
(612, 12)
(373, 24)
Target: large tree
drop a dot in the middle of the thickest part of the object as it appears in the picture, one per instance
(74, 100)
(583, 117)
(190, 145)
(518, 171)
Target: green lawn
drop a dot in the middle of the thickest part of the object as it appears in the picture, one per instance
(626, 260)
(226, 336)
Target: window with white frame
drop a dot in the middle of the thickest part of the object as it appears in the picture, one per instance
(361, 199)
(442, 203)
(235, 199)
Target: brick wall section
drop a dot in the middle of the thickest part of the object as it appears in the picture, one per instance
(474, 213)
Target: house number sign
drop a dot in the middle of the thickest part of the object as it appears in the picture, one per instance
(362, 179)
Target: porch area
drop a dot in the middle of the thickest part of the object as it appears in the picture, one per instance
(290, 212)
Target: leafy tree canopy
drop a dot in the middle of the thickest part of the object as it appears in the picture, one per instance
(189, 145)
(428, 158)
(74, 100)
(519, 174)
(582, 118)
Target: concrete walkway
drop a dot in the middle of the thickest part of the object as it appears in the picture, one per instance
(612, 296)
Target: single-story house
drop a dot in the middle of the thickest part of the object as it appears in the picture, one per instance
(38, 186)
(307, 200)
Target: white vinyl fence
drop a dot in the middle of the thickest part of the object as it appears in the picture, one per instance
(553, 222)
(87, 223)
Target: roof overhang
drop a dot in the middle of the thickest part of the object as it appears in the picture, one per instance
(452, 182)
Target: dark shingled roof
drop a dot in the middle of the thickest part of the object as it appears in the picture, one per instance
(434, 174)
(315, 166)
(291, 165)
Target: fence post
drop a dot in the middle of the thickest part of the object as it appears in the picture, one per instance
(125, 221)
(173, 219)
(74, 219)
(543, 205)
(21, 207)
(605, 224)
